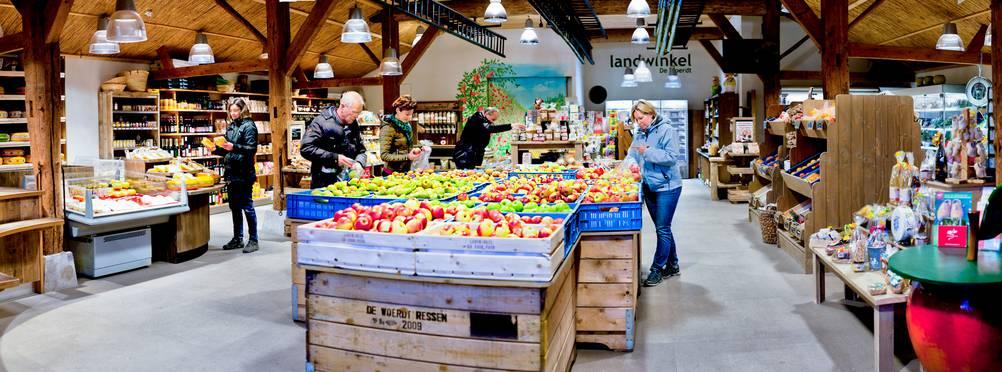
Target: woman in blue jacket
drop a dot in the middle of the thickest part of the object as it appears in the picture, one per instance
(655, 148)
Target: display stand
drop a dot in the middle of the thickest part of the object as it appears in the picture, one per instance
(21, 235)
(608, 285)
(519, 146)
(186, 235)
(140, 111)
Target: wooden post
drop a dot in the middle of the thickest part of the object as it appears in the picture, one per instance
(996, 10)
(279, 93)
(834, 47)
(770, 77)
(43, 103)
(391, 38)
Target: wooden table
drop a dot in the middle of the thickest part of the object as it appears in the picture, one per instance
(883, 305)
(517, 146)
(186, 235)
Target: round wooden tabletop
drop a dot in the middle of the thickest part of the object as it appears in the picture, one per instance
(947, 266)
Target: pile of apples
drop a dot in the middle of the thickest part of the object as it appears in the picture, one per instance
(612, 191)
(506, 226)
(483, 213)
(568, 191)
(397, 218)
(590, 173)
(506, 206)
(545, 167)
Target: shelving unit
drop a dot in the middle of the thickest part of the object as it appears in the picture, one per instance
(772, 142)
(711, 168)
(127, 116)
(12, 104)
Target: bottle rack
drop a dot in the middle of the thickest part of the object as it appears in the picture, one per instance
(439, 122)
(127, 120)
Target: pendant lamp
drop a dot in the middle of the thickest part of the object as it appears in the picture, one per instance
(201, 52)
(950, 40)
(638, 9)
(988, 36)
(495, 12)
(417, 36)
(640, 35)
(390, 65)
(673, 82)
(629, 81)
(323, 69)
(125, 25)
(355, 29)
(99, 43)
(643, 74)
(529, 36)
(264, 53)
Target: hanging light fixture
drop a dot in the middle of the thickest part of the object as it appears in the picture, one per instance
(643, 74)
(529, 36)
(950, 40)
(264, 53)
(125, 25)
(640, 35)
(638, 9)
(417, 36)
(629, 80)
(390, 65)
(988, 36)
(201, 52)
(673, 82)
(323, 69)
(355, 29)
(99, 43)
(495, 12)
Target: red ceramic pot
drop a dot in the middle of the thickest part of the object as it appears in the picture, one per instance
(955, 328)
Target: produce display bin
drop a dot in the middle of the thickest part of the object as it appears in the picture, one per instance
(567, 174)
(305, 206)
(625, 216)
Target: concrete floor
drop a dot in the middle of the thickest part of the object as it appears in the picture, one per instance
(739, 305)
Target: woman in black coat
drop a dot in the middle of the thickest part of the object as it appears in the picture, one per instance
(476, 135)
(239, 152)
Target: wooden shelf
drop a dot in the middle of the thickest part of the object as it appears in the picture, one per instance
(134, 112)
(7, 193)
(814, 133)
(133, 129)
(17, 144)
(199, 111)
(798, 185)
(739, 170)
(7, 281)
(190, 134)
(778, 128)
(18, 227)
(767, 176)
(14, 121)
(16, 167)
(213, 92)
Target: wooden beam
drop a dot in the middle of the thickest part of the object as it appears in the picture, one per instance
(817, 75)
(894, 53)
(794, 46)
(300, 76)
(415, 54)
(243, 21)
(343, 82)
(331, 22)
(856, 3)
(166, 63)
(56, 14)
(249, 65)
(725, 26)
(368, 52)
(623, 35)
(307, 32)
(978, 42)
(996, 19)
(279, 93)
(835, 51)
(728, 7)
(712, 50)
(865, 12)
(12, 43)
(935, 26)
(771, 85)
(809, 21)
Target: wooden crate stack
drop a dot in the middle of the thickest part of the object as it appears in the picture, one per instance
(608, 279)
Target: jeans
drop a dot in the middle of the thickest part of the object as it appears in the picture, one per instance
(240, 200)
(662, 205)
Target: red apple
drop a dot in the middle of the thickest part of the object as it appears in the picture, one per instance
(530, 232)
(486, 228)
(450, 210)
(344, 223)
(357, 207)
(546, 220)
(526, 219)
(536, 219)
(462, 196)
(495, 216)
(363, 223)
(447, 230)
(425, 205)
(398, 227)
(415, 225)
(437, 212)
(502, 231)
(545, 233)
(559, 221)
(384, 226)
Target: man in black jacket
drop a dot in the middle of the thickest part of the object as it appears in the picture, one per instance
(333, 142)
(476, 135)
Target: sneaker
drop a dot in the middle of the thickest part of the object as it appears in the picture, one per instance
(251, 246)
(671, 271)
(234, 243)
(653, 278)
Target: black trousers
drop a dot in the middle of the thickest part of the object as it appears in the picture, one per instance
(242, 203)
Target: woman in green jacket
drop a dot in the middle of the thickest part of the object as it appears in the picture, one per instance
(397, 136)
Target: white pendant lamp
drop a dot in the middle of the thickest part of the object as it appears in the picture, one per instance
(950, 40)
(323, 69)
(201, 52)
(417, 36)
(125, 25)
(355, 29)
(643, 74)
(264, 54)
(673, 82)
(99, 43)
(495, 12)
(640, 35)
(638, 9)
(529, 36)
(390, 65)
(629, 80)
(988, 36)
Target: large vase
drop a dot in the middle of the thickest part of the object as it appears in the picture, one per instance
(956, 328)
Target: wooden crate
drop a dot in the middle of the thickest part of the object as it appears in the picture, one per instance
(298, 273)
(608, 284)
(369, 321)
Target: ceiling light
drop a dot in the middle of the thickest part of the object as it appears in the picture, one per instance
(988, 36)
(640, 35)
(390, 65)
(201, 52)
(629, 81)
(529, 36)
(323, 69)
(673, 82)
(125, 25)
(264, 53)
(99, 43)
(950, 40)
(417, 36)
(638, 9)
(355, 29)
(643, 74)
(495, 12)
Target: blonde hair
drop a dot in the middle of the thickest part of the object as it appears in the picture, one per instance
(644, 107)
(244, 109)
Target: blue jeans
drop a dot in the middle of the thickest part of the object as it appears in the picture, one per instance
(240, 201)
(662, 205)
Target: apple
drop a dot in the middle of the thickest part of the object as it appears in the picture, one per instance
(502, 231)
(546, 220)
(451, 210)
(437, 212)
(544, 233)
(526, 219)
(384, 226)
(516, 229)
(363, 223)
(462, 196)
(558, 221)
(414, 225)
(530, 232)
(486, 228)
(412, 204)
(447, 230)
(398, 227)
(425, 205)
(536, 219)
(495, 216)
(344, 223)
(357, 207)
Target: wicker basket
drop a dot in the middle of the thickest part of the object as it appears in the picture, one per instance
(112, 87)
(767, 220)
(137, 80)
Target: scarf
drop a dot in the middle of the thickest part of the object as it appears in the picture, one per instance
(400, 126)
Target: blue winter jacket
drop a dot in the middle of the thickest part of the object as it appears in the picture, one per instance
(659, 164)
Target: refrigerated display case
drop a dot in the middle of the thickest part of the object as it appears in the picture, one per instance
(675, 113)
(935, 107)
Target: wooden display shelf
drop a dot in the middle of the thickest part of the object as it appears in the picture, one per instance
(795, 249)
(198, 111)
(168, 134)
(135, 112)
(265, 95)
(814, 133)
(17, 227)
(738, 195)
(16, 167)
(11, 97)
(798, 185)
(14, 121)
(778, 128)
(7, 281)
(766, 176)
(734, 171)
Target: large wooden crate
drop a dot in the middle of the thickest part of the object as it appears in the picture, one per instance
(298, 273)
(608, 284)
(360, 321)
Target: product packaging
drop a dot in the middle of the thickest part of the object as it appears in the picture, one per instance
(951, 219)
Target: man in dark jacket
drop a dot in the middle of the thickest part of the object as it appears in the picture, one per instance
(476, 135)
(333, 142)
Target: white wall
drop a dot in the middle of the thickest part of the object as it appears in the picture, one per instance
(83, 81)
(959, 75)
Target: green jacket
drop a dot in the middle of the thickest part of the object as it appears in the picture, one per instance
(395, 144)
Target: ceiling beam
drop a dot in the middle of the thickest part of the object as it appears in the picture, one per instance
(330, 21)
(809, 21)
(856, 3)
(243, 21)
(307, 32)
(211, 69)
(894, 53)
(11, 43)
(712, 50)
(725, 26)
(794, 46)
(368, 52)
(865, 12)
(166, 62)
(344, 82)
(728, 7)
(624, 35)
(415, 54)
(58, 12)
(978, 42)
(935, 26)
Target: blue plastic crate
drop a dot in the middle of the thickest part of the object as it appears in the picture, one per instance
(304, 206)
(623, 216)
